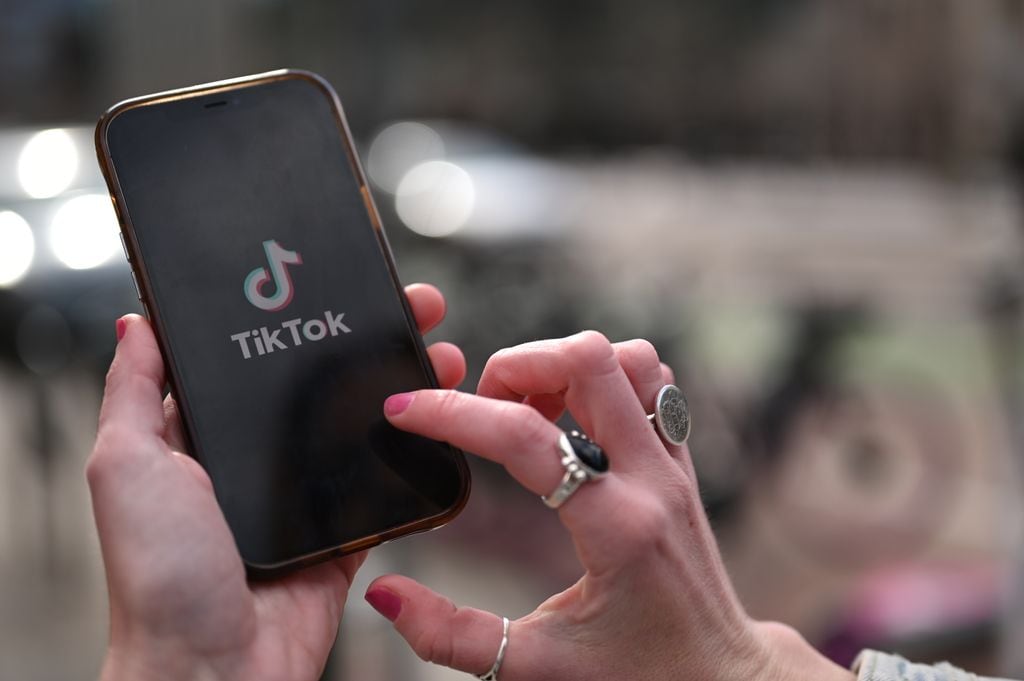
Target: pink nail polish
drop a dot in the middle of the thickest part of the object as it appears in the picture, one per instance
(398, 403)
(120, 326)
(385, 602)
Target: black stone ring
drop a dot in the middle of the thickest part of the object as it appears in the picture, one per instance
(671, 417)
(583, 461)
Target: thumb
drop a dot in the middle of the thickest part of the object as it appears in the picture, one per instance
(133, 398)
(132, 415)
(436, 629)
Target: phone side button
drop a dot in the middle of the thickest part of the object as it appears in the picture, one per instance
(124, 247)
(135, 285)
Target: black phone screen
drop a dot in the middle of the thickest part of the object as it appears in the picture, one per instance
(279, 317)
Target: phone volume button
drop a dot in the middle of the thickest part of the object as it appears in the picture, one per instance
(124, 247)
(135, 284)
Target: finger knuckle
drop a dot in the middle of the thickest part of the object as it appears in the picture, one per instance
(105, 458)
(649, 524)
(434, 644)
(113, 372)
(668, 373)
(499, 368)
(140, 386)
(448, 404)
(648, 353)
(683, 495)
(525, 425)
(496, 361)
(592, 350)
(94, 469)
(653, 524)
(642, 355)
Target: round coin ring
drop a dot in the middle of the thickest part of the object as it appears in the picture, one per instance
(672, 415)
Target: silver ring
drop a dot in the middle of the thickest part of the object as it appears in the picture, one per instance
(492, 673)
(583, 461)
(671, 417)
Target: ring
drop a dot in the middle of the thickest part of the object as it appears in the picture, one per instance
(671, 417)
(492, 673)
(583, 461)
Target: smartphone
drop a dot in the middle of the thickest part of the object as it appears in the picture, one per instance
(259, 258)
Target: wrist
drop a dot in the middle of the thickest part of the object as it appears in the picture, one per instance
(153, 661)
(789, 657)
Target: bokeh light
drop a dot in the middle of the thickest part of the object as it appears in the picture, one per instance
(48, 163)
(17, 247)
(398, 148)
(435, 198)
(84, 232)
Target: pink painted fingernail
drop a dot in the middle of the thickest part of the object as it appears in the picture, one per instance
(398, 403)
(120, 326)
(385, 602)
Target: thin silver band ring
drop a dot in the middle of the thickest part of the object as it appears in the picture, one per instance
(492, 673)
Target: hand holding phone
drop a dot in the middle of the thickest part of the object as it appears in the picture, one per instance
(262, 265)
(180, 605)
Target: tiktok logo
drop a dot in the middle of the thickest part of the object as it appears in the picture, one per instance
(290, 333)
(279, 259)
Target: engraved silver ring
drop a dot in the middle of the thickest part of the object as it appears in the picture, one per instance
(671, 417)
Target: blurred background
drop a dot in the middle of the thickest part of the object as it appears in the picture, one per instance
(812, 207)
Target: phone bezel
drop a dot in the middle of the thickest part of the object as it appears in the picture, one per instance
(142, 282)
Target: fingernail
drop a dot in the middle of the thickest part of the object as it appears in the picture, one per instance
(385, 602)
(120, 326)
(397, 403)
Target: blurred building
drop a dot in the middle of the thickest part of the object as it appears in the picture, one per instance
(805, 204)
(931, 80)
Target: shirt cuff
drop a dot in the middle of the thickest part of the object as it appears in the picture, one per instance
(872, 665)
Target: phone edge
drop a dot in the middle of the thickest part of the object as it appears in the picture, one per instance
(255, 570)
